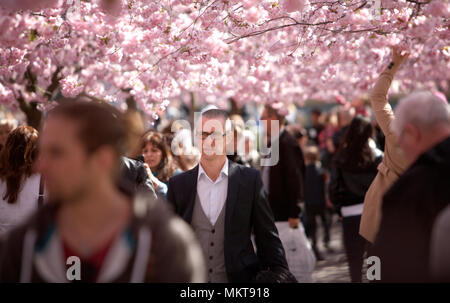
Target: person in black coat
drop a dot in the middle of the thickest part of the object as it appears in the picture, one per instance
(354, 168)
(411, 206)
(133, 172)
(284, 176)
(244, 204)
(315, 203)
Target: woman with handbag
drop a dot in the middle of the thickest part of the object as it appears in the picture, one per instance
(354, 168)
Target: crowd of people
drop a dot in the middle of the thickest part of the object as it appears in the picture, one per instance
(148, 205)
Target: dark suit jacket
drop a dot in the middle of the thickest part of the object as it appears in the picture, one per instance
(286, 184)
(247, 210)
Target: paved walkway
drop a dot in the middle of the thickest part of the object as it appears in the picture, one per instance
(334, 269)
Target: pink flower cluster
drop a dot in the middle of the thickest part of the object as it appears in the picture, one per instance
(71, 87)
(282, 51)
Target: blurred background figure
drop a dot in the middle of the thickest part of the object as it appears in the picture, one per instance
(440, 248)
(284, 181)
(412, 204)
(299, 133)
(19, 183)
(237, 125)
(6, 127)
(359, 104)
(326, 143)
(159, 159)
(247, 144)
(316, 128)
(354, 169)
(315, 204)
(134, 172)
(345, 117)
(184, 153)
(394, 162)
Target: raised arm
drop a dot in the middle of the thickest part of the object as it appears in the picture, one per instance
(378, 96)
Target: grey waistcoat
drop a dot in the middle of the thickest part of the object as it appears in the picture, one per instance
(211, 238)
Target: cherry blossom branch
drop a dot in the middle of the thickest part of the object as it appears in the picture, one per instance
(260, 32)
(295, 23)
(54, 84)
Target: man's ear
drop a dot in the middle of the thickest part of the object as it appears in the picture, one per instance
(412, 134)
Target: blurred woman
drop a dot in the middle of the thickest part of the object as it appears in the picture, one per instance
(353, 170)
(159, 159)
(326, 145)
(394, 163)
(19, 184)
(185, 155)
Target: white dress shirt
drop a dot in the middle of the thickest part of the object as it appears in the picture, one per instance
(212, 194)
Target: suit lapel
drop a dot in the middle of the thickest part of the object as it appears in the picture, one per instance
(192, 184)
(232, 194)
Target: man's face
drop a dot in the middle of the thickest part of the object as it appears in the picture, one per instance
(63, 161)
(315, 118)
(211, 137)
(152, 156)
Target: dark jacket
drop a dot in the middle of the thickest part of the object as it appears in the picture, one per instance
(314, 186)
(156, 247)
(286, 183)
(409, 211)
(247, 210)
(134, 174)
(349, 186)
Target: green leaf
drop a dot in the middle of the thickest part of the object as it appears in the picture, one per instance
(33, 35)
(105, 40)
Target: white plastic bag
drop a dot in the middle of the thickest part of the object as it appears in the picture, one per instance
(299, 254)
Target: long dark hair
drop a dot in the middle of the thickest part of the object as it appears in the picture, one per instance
(354, 153)
(167, 166)
(16, 160)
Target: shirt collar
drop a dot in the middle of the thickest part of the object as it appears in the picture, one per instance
(224, 170)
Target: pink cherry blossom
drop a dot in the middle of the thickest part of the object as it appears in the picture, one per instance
(71, 87)
(286, 51)
(294, 5)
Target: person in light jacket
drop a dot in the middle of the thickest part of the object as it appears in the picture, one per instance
(393, 163)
